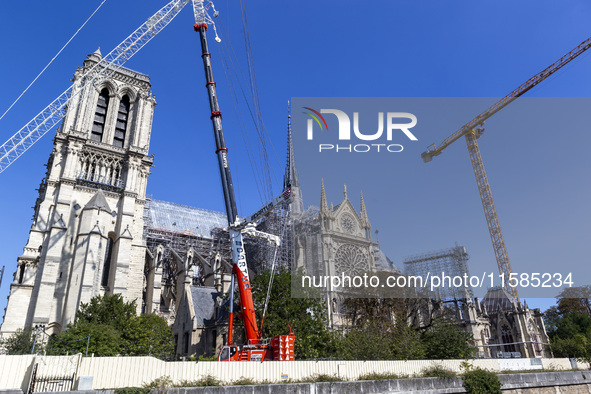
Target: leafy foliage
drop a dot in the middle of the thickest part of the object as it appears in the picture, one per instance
(132, 390)
(438, 371)
(307, 316)
(380, 376)
(163, 382)
(147, 334)
(322, 377)
(114, 329)
(446, 340)
(104, 340)
(569, 324)
(481, 381)
(21, 342)
(204, 381)
(379, 331)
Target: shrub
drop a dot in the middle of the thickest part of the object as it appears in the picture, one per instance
(132, 390)
(379, 376)
(205, 358)
(242, 381)
(438, 371)
(205, 381)
(481, 381)
(163, 382)
(321, 378)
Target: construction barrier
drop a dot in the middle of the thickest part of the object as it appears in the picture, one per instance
(116, 372)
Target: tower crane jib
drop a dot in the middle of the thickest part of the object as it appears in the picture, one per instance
(45, 120)
(472, 131)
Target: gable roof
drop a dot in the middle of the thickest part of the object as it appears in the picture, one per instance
(98, 201)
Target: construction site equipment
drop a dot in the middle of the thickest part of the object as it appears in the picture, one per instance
(29, 134)
(472, 131)
(452, 262)
(256, 348)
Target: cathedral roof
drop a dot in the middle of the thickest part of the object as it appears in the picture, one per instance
(204, 303)
(497, 298)
(383, 263)
(169, 216)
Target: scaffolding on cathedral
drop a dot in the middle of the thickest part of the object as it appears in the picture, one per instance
(178, 228)
(452, 262)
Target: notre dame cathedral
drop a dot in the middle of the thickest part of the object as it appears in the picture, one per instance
(86, 236)
(94, 232)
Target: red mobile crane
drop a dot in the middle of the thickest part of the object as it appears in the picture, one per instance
(256, 348)
(280, 348)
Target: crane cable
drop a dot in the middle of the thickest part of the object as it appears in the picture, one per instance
(236, 105)
(51, 61)
(261, 129)
(272, 276)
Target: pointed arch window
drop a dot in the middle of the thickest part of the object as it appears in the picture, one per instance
(507, 338)
(100, 116)
(121, 126)
(107, 263)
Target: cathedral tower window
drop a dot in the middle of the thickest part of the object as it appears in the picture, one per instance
(100, 116)
(107, 263)
(21, 273)
(121, 126)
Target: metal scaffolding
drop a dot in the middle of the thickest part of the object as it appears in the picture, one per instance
(451, 263)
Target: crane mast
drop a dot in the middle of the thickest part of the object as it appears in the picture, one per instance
(472, 131)
(239, 267)
(280, 348)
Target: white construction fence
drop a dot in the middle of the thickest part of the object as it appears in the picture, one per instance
(57, 373)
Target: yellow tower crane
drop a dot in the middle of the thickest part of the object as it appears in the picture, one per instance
(472, 131)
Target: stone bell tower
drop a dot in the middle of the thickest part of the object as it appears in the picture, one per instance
(86, 237)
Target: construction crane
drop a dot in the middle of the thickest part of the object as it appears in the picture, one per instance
(256, 348)
(472, 131)
(280, 348)
(45, 120)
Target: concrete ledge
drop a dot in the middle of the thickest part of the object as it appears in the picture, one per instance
(510, 383)
(544, 379)
(11, 391)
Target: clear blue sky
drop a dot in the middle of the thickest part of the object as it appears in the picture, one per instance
(398, 48)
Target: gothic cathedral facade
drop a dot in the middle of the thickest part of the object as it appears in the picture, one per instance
(86, 237)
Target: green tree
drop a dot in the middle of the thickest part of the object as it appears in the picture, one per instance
(148, 335)
(307, 316)
(568, 324)
(379, 331)
(109, 326)
(102, 340)
(21, 342)
(110, 310)
(446, 340)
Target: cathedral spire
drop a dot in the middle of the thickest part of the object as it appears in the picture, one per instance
(365, 219)
(363, 210)
(291, 178)
(345, 191)
(323, 203)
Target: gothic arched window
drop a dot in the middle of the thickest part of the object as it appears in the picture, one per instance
(121, 126)
(107, 263)
(100, 116)
(507, 338)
